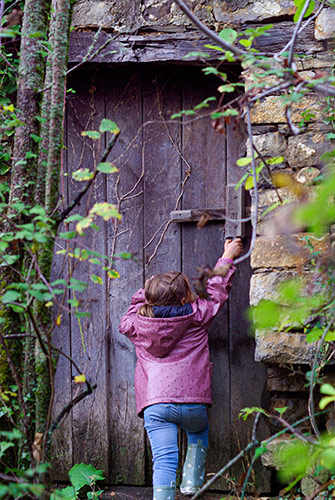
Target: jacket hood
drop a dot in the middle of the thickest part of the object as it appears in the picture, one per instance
(159, 335)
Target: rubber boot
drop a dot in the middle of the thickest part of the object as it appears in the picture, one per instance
(194, 469)
(164, 493)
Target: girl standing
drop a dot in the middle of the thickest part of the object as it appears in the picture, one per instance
(169, 328)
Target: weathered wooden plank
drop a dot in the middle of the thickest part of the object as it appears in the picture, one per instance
(123, 105)
(193, 215)
(170, 47)
(161, 154)
(89, 338)
(131, 48)
(235, 210)
(204, 150)
(247, 376)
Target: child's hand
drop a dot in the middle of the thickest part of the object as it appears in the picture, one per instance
(233, 248)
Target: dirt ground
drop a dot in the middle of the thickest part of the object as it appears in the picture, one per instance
(141, 493)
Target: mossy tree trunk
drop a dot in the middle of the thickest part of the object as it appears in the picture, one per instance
(35, 177)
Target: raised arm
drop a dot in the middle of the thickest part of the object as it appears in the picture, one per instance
(218, 287)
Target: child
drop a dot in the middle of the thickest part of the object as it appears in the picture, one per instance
(169, 327)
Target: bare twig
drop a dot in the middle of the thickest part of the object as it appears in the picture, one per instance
(211, 34)
(295, 33)
(256, 201)
(78, 198)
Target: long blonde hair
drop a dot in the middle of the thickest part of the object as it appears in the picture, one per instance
(166, 289)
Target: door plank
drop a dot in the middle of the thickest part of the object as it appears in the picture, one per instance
(162, 162)
(248, 377)
(123, 105)
(161, 142)
(89, 336)
(205, 151)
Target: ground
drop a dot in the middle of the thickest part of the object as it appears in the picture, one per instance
(141, 493)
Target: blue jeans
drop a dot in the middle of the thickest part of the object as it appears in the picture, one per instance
(161, 422)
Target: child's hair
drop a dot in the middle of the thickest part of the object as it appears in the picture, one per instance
(167, 289)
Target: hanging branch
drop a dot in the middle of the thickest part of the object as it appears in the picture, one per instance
(322, 89)
(78, 198)
(255, 194)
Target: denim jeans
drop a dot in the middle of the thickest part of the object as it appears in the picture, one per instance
(161, 422)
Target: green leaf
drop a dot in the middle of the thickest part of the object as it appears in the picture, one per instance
(327, 389)
(69, 235)
(67, 493)
(282, 410)
(107, 168)
(82, 174)
(226, 88)
(3, 490)
(228, 35)
(326, 401)
(314, 335)
(246, 42)
(300, 6)
(249, 183)
(10, 296)
(242, 162)
(36, 138)
(96, 279)
(82, 314)
(79, 286)
(107, 125)
(84, 475)
(92, 134)
(260, 450)
(73, 218)
(124, 255)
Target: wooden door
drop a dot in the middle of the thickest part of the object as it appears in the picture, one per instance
(164, 165)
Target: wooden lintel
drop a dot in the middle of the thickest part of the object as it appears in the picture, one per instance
(194, 215)
(173, 47)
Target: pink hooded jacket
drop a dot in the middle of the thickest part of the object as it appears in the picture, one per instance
(173, 364)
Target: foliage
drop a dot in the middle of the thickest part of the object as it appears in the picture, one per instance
(80, 475)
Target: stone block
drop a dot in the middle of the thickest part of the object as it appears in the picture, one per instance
(269, 145)
(325, 25)
(285, 380)
(305, 150)
(120, 15)
(296, 409)
(281, 347)
(240, 12)
(307, 174)
(263, 286)
(285, 251)
(273, 447)
(272, 110)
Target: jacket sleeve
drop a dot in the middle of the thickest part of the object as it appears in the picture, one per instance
(218, 289)
(126, 326)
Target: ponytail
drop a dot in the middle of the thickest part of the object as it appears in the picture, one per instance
(146, 310)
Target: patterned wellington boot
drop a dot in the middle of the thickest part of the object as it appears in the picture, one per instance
(194, 469)
(164, 493)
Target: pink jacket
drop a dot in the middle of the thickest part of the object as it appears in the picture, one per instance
(173, 364)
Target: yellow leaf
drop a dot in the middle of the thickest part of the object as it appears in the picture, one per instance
(48, 304)
(284, 180)
(8, 108)
(249, 183)
(80, 379)
(59, 319)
